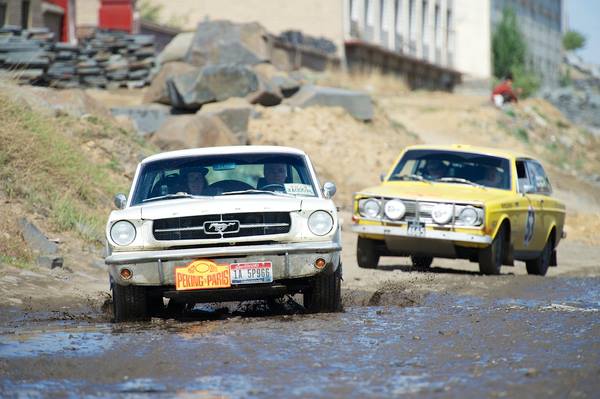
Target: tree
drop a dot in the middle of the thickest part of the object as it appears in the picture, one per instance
(508, 45)
(573, 40)
(149, 11)
(509, 52)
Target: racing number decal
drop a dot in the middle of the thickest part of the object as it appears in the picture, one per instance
(529, 225)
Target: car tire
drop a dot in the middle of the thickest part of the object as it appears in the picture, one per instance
(421, 262)
(539, 266)
(130, 303)
(490, 257)
(324, 294)
(366, 253)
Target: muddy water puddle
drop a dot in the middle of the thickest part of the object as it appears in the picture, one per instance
(545, 341)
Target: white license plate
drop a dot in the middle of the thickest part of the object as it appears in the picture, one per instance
(251, 273)
(416, 229)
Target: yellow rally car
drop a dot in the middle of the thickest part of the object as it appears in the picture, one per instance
(482, 204)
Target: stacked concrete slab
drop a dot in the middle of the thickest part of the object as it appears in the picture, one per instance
(105, 59)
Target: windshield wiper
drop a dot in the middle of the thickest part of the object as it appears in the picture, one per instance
(458, 180)
(173, 196)
(255, 191)
(412, 177)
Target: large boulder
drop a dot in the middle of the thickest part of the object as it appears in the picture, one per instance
(357, 104)
(157, 92)
(190, 131)
(235, 113)
(269, 73)
(224, 42)
(177, 48)
(146, 119)
(214, 83)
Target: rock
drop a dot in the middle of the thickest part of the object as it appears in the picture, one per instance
(50, 261)
(157, 92)
(35, 239)
(235, 113)
(189, 131)
(358, 104)
(146, 119)
(177, 48)
(213, 83)
(269, 73)
(267, 94)
(223, 42)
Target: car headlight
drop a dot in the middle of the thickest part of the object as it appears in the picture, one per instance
(394, 209)
(369, 208)
(320, 223)
(469, 216)
(122, 232)
(442, 213)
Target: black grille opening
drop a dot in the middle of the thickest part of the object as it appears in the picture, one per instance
(250, 224)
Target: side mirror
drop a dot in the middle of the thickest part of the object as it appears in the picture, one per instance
(382, 177)
(120, 201)
(329, 189)
(528, 188)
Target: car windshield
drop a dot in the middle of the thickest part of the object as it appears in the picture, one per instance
(453, 167)
(230, 174)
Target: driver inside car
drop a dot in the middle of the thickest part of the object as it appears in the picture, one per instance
(275, 176)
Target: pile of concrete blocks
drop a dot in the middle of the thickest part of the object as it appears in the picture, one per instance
(107, 59)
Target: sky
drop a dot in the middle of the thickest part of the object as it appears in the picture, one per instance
(584, 17)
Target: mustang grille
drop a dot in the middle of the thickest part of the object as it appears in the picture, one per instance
(221, 226)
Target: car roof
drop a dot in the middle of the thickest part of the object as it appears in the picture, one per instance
(472, 149)
(240, 149)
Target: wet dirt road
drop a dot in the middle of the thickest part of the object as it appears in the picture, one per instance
(524, 336)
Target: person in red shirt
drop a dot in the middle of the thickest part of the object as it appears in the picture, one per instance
(503, 93)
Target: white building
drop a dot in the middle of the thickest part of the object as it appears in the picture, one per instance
(424, 39)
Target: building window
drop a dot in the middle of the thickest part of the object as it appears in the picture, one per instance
(437, 27)
(398, 17)
(412, 27)
(371, 12)
(424, 23)
(354, 10)
(25, 14)
(2, 14)
(385, 11)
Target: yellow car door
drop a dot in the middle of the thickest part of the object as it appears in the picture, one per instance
(530, 237)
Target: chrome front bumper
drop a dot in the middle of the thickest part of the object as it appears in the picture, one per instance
(402, 231)
(293, 260)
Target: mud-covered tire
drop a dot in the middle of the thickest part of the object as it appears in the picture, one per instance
(366, 253)
(325, 294)
(539, 266)
(130, 303)
(490, 258)
(421, 262)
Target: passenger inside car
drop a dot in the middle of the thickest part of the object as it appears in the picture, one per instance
(194, 181)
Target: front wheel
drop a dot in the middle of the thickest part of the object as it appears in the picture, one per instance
(324, 294)
(539, 265)
(490, 258)
(366, 253)
(130, 303)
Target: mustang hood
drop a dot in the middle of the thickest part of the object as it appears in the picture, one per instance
(218, 205)
(436, 191)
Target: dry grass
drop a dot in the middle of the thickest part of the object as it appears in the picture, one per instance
(62, 169)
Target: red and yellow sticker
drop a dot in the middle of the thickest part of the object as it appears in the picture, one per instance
(202, 274)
